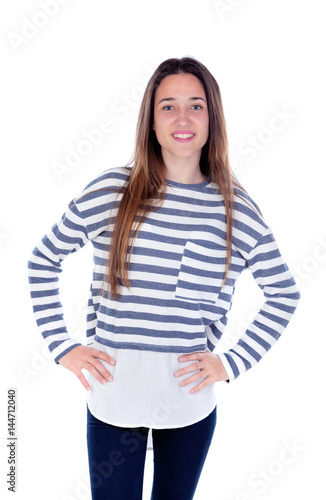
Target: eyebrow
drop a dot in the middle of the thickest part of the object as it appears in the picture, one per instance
(190, 99)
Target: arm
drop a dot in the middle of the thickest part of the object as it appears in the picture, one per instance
(44, 267)
(281, 299)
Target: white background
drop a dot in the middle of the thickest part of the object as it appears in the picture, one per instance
(90, 61)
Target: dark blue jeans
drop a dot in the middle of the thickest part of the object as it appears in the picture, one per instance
(116, 458)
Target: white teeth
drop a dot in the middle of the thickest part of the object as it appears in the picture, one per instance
(183, 136)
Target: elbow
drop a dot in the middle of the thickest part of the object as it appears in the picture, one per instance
(31, 261)
(33, 265)
(296, 299)
(295, 296)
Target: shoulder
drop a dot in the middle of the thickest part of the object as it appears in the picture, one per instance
(116, 176)
(106, 184)
(249, 223)
(245, 206)
(244, 201)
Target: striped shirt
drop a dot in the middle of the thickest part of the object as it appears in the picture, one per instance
(176, 302)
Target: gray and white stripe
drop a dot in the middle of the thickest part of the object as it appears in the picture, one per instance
(176, 302)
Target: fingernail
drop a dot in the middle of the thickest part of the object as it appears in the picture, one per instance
(103, 381)
(110, 378)
(176, 374)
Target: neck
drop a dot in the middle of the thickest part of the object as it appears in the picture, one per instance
(183, 170)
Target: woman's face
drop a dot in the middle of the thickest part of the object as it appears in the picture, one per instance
(181, 120)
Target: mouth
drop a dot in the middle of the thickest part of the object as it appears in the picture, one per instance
(184, 136)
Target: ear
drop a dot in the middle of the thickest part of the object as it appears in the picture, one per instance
(153, 126)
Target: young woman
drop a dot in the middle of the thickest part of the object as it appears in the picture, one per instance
(172, 231)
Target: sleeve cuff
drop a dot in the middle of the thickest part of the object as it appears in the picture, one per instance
(66, 350)
(227, 367)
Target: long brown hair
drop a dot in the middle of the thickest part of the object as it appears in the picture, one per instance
(146, 188)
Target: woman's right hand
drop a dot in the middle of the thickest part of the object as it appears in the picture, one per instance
(83, 357)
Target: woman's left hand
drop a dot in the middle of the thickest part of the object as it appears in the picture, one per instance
(210, 366)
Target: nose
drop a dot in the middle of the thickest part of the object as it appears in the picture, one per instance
(182, 118)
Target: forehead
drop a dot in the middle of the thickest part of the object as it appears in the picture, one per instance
(179, 86)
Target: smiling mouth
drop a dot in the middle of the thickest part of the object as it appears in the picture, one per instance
(183, 137)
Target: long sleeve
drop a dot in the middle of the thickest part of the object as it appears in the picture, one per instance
(281, 299)
(44, 268)
(166, 308)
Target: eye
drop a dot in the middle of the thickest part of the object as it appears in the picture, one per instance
(167, 108)
(197, 106)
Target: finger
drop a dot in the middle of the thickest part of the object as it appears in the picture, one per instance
(97, 374)
(189, 368)
(191, 357)
(193, 378)
(83, 380)
(102, 355)
(101, 369)
(199, 387)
